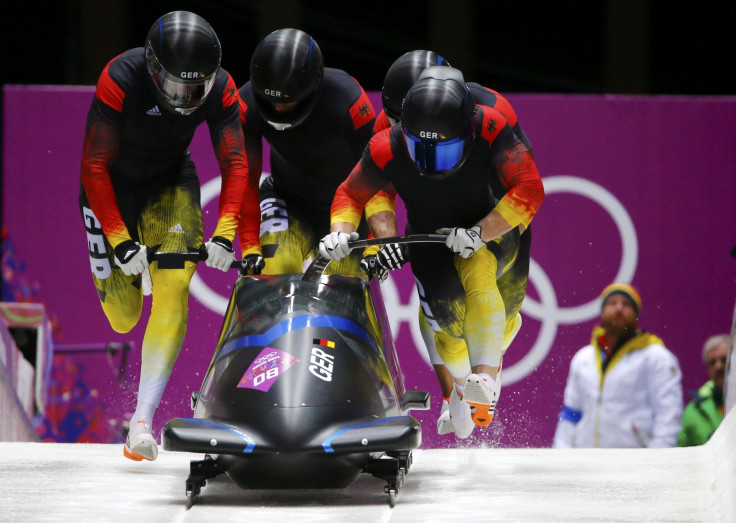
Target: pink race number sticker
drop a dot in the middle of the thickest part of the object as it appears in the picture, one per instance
(266, 369)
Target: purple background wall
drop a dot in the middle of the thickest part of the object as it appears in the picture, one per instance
(638, 188)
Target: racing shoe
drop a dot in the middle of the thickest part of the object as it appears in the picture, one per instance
(139, 444)
(444, 425)
(460, 415)
(481, 394)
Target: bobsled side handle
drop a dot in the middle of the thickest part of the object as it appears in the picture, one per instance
(175, 260)
(415, 400)
(317, 267)
(411, 238)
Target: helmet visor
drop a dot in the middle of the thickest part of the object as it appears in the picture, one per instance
(438, 157)
(183, 95)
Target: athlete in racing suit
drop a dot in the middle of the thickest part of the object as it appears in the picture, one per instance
(400, 77)
(317, 122)
(444, 161)
(139, 188)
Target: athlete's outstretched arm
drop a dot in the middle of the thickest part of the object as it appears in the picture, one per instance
(101, 146)
(352, 195)
(239, 193)
(249, 224)
(518, 172)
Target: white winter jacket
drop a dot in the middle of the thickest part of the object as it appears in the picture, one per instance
(637, 402)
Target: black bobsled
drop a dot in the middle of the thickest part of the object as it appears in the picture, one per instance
(304, 389)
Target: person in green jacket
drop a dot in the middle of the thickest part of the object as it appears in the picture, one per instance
(705, 412)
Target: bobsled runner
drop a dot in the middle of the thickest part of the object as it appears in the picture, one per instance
(304, 389)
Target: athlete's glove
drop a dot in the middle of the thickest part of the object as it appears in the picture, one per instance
(252, 264)
(464, 242)
(146, 283)
(220, 254)
(131, 257)
(334, 246)
(370, 266)
(392, 256)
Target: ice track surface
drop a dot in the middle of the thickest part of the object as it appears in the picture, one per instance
(94, 482)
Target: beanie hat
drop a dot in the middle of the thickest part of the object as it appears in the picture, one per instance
(625, 290)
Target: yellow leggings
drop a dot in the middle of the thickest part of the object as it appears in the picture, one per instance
(475, 336)
(289, 249)
(173, 221)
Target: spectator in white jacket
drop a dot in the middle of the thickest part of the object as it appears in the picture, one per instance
(624, 389)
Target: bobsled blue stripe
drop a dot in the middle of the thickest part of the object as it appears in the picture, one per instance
(250, 443)
(297, 322)
(571, 415)
(327, 444)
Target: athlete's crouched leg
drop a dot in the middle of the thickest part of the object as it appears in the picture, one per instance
(121, 298)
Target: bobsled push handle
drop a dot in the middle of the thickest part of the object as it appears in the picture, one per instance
(411, 238)
(175, 260)
(317, 267)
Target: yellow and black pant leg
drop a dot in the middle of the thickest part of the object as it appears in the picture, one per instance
(286, 237)
(462, 304)
(172, 221)
(513, 282)
(121, 296)
(286, 244)
(442, 300)
(290, 234)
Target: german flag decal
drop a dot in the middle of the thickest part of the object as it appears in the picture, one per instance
(324, 343)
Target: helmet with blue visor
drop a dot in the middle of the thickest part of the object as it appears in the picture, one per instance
(438, 122)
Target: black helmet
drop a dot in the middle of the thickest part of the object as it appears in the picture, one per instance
(183, 56)
(286, 67)
(401, 76)
(438, 122)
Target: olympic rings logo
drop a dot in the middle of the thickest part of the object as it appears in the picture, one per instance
(547, 310)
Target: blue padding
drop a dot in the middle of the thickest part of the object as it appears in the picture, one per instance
(294, 323)
(327, 444)
(250, 444)
(571, 415)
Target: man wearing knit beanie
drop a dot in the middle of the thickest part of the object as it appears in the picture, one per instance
(624, 290)
(624, 388)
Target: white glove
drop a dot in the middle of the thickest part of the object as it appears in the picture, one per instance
(220, 254)
(146, 283)
(131, 257)
(334, 246)
(463, 241)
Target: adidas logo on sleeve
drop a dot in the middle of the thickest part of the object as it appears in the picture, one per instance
(154, 111)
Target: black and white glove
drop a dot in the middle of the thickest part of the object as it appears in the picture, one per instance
(131, 257)
(252, 264)
(464, 242)
(392, 256)
(334, 246)
(370, 266)
(220, 254)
